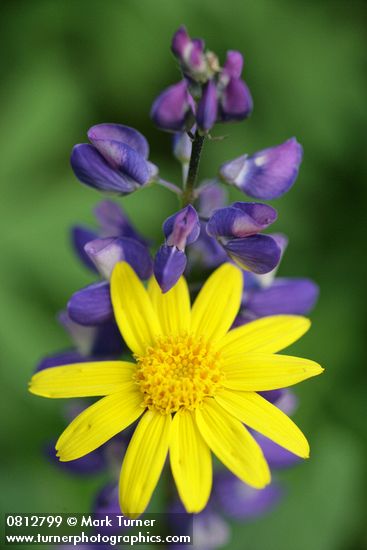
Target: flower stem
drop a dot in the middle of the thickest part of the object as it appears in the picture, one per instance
(168, 185)
(188, 192)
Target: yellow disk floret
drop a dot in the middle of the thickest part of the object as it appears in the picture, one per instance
(178, 372)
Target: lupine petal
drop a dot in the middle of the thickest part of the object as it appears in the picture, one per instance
(208, 107)
(90, 464)
(182, 228)
(169, 265)
(240, 501)
(276, 456)
(267, 174)
(134, 313)
(172, 307)
(191, 462)
(211, 197)
(91, 168)
(267, 335)
(218, 302)
(180, 41)
(172, 109)
(119, 132)
(107, 341)
(99, 423)
(232, 444)
(260, 415)
(80, 236)
(241, 219)
(143, 462)
(91, 305)
(260, 372)
(233, 64)
(115, 223)
(124, 158)
(293, 296)
(236, 102)
(257, 253)
(105, 253)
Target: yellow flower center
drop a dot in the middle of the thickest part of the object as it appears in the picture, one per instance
(178, 372)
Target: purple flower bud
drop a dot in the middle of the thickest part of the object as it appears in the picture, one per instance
(169, 265)
(180, 42)
(105, 253)
(267, 174)
(116, 161)
(80, 236)
(190, 53)
(115, 223)
(173, 109)
(234, 64)
(235, 101)
(91, 305)
(182, 146)
(241, 219)
(182, 228)
(208, 107)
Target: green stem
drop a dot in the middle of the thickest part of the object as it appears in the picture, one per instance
(188, 192)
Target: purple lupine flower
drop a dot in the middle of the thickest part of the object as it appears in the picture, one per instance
(237, 229)
(267, 174)
(173, 110)
(208, 107)
(92, 305)
(115, 161)
(235, 101)
(190, 53)
(180, 230)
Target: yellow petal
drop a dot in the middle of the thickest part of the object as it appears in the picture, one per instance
(261, 371)
(266, 335)
(260, 415)
(82, 379)
(231, 442)
(172, 307)
(191, 462)
(134, 313)
(218, 302)
(143, 462)
(99, 422)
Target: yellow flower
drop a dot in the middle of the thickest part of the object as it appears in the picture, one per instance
(193, 384)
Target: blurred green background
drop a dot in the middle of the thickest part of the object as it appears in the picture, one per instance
(67, 65)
